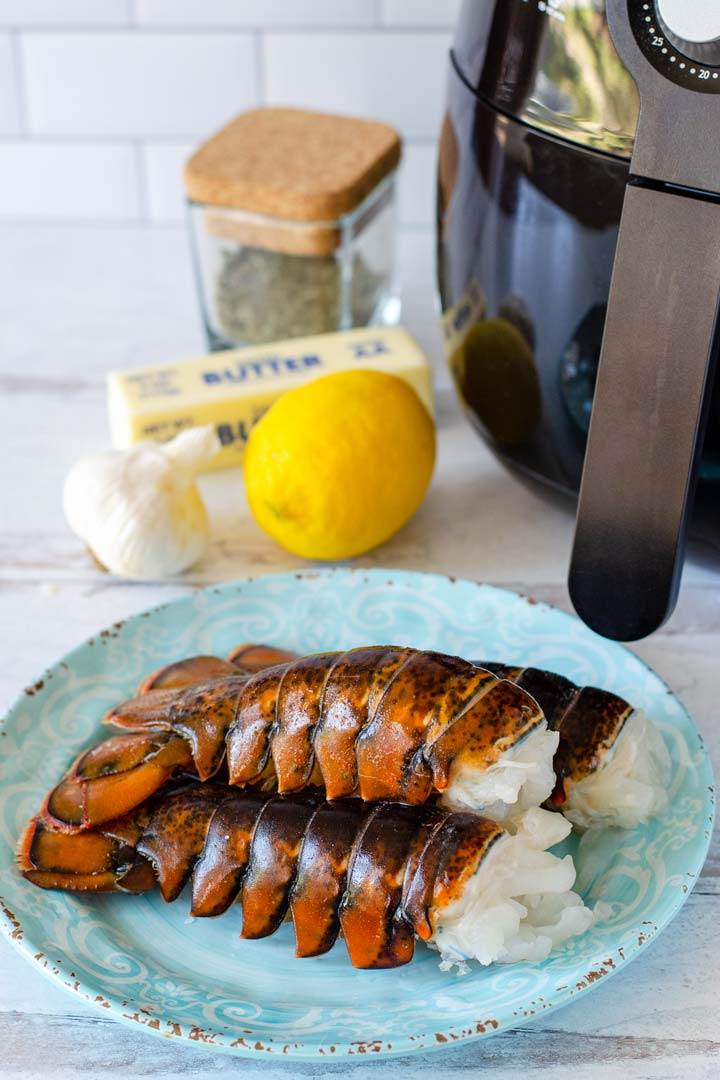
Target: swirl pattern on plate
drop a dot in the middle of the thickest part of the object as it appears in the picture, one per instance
(150, 964)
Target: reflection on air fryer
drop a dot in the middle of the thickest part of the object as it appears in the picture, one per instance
(533, 226)
(495, 371)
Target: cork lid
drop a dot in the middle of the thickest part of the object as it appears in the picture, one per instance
(290, 163)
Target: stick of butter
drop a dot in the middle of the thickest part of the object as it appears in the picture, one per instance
(232, 389)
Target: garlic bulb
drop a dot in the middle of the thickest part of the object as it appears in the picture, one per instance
(139, 511)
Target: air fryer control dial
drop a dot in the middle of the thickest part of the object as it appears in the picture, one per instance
(691, 20)
(681, 39)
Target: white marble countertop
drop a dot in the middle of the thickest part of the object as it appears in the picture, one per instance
(76, 301)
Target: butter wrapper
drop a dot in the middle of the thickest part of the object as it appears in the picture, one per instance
(232, 389)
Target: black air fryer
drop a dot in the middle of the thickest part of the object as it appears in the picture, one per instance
(579, 274)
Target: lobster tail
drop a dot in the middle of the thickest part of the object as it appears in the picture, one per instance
(114, 777)
(378, 722)
(385, 873)
(589, 720)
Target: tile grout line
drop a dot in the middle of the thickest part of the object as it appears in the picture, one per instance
(260, 69)
(141, 180)
(20, 86)
(221, 29)
(43, 138)
(139, 142)
(144, 217)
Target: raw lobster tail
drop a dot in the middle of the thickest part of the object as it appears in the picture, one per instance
(251, 657)
(114, 777)
(199, 669)
(377, 872)
(379, 722)
(589, 720)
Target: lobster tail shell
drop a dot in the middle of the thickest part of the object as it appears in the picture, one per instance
(248, 739)
(253, 658)
(589, 720)
(199, 669)
(89, 861)
(173, 836)
(321, 874)
(113, 778)
(222, 865)
(375, 926)
(376, 871)
(354, 688)
(271, 869)
(378, 722)
(189, 672)
(201, 714)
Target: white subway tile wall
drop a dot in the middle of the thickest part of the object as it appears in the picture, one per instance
(398, 78)
(101, 101)
(417, 185)
(64, 12)
(9, 98)
(419, 12)
(291, 13)
(136, 85)
(51, 180)
(164, 173)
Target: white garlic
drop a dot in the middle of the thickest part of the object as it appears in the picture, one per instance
(139, 511)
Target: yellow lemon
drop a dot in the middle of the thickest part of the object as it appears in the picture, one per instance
(336, 466)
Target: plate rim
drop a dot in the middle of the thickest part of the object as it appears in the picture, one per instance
(120, 1009)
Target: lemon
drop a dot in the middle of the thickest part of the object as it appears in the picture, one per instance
(336, 466)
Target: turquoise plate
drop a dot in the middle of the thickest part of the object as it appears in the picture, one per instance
(150, 965)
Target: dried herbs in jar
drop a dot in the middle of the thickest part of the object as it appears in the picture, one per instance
(292, 219)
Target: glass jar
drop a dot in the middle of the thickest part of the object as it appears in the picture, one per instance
(263, 279)
(269, 276)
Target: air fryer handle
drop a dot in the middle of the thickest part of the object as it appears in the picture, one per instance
(647, 421)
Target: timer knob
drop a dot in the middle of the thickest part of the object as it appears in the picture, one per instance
(693, 27)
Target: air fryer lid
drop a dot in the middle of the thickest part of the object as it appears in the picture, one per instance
(551, 64)
(661, 331)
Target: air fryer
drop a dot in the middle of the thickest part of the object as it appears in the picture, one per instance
(579, 272)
